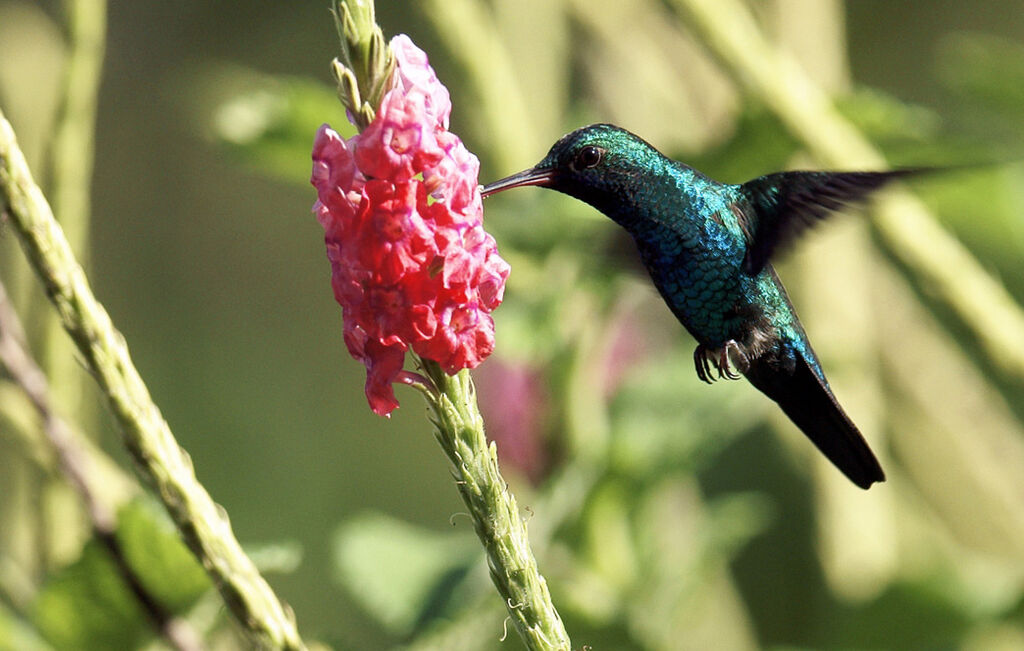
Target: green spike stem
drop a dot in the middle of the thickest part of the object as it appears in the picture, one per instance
(363, 71)
(495, 514)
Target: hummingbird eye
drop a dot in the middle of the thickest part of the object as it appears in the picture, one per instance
(588, 157)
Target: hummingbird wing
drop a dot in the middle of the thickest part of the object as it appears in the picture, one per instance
(785, 204)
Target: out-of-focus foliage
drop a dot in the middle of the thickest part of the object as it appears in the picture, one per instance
(268, 123)
(87, 605)
(666, 514)
(405, 574)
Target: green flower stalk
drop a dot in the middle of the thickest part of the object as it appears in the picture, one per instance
(415, 272)
(496, 518)
(203, 525)
(365, 66)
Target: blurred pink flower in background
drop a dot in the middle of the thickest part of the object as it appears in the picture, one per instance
(411, 264)
(514, 403)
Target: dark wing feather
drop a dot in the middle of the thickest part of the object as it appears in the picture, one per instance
(786, 204)
(809, 403)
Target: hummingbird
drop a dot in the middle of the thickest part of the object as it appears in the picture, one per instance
(708, 248)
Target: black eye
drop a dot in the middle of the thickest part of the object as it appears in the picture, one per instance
(588, 157)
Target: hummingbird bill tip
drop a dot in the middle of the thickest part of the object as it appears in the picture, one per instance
(532, 176)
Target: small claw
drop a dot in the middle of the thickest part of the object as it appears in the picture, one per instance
(722, 360)
(700, 360)
(738, 356)
(724, 370)
(731, 352)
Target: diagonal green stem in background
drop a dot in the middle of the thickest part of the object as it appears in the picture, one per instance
(907, 230)
(73, 461)
(73, 147)
(71, 151)
(203, 525)
(469, 29)
(495, 514)
(71, 158)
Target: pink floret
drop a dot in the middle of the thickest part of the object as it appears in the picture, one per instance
(411, 264)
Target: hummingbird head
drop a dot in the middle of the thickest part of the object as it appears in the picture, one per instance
(601, 164)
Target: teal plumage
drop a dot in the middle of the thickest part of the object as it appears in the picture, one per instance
(707, 247)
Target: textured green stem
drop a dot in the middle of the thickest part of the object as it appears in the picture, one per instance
(362, 73)
(907, 230)
(71, 160)
(72, 151)
(496, 517)
(73, 462)
(363, 70)
(203, 525)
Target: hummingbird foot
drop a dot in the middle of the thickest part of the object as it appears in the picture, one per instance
(703, 364)
(731, 352)
(722, 360)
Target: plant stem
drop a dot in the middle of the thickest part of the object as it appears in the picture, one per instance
(71, 151)
(364, 68)
(907, 230)
(203, 525)
(496, 518)
(73, 462)
(363, 71)
(468, 29)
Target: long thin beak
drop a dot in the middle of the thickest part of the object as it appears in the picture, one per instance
(532, 176)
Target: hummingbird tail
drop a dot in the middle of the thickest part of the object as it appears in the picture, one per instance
(809, 403)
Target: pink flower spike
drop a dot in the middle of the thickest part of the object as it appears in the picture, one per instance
(400, 142)
(411, 264)
(384, 368)
(335, 177)
(414, 74)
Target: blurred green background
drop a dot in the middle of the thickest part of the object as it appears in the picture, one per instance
(665, 514)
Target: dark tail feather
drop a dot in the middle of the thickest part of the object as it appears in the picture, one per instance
(813, 408)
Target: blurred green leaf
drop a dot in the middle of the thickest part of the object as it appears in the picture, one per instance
(985, 207)
(477, 626)
(156, 553)
(986, 71)
(734, 519)
(269, 123)
(283, 557)
(908, 615)
(685, 591)
(18, 635)
(87, 605)
(883, 117)
(665, 420)
(759, 144)
(400, 573)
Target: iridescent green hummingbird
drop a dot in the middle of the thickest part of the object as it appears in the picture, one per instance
(707, 247)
